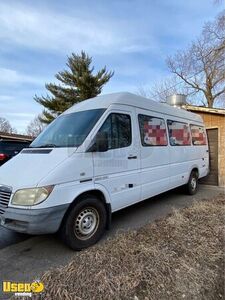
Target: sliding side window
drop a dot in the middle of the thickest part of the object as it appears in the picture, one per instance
(153, 131)
(179, 133)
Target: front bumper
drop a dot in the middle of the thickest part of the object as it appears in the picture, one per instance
(33, 221)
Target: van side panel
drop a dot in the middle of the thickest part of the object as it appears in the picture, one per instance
(155, 164)
(183, 159)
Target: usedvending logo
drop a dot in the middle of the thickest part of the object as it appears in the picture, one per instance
(22, 288)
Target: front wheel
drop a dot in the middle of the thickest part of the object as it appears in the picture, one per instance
(192, 185)
(85, 223)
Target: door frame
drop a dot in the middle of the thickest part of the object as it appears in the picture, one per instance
(218, 157)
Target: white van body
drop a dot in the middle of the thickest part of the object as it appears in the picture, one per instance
(120, 176)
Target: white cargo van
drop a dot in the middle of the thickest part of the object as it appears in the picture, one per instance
(98, 157)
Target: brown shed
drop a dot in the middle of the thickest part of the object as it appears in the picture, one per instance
(214, 120)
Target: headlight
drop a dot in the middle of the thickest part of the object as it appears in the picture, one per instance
(31, 196)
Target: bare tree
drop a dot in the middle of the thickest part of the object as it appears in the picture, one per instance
(5, 126)
(35, 127)
(167, 87)
(159, 91)
(202, 67)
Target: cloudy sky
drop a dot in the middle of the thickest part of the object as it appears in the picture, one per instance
(131, 37)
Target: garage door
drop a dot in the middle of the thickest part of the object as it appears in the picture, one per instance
(212, 178)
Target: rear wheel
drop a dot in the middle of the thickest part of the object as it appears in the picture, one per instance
(192, 185)
(85, 223)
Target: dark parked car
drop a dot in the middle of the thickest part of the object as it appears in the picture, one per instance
(9, 148)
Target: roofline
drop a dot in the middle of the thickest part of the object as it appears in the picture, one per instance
(15, 137)
(129, 99)
(218, 111)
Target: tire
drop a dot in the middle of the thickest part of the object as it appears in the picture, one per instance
(84, 224)
(192, 185)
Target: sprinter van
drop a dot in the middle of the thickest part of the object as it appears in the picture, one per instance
(98, 157)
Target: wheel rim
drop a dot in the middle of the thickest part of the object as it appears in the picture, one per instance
(86, 223)
(193, 183)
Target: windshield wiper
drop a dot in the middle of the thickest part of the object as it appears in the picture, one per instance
(46, 146)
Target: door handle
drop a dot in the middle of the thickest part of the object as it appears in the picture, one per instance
(132, 157)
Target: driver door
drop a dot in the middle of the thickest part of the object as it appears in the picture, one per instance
(118, 168)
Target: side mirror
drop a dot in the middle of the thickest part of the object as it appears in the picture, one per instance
(100, 143)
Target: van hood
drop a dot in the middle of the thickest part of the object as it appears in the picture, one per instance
(28, 168)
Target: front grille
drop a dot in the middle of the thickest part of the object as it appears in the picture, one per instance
(5, 195)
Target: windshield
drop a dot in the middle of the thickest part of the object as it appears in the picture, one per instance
(68, 130)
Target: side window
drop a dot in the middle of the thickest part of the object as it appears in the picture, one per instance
(118, 128)
(153, 131)
(198, 135)
(179, 133)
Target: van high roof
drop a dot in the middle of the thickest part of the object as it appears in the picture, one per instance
(125, 98)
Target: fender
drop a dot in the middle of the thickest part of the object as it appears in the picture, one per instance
(103, 190)
(195, 166)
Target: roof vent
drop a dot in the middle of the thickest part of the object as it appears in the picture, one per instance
(176, 100)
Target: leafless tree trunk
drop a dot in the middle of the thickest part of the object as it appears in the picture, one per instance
(169, 86)
(202, 66)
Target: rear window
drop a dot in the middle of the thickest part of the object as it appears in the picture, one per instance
(12, 146)
(198, 135)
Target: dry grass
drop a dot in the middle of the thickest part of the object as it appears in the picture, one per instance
(180, 257)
